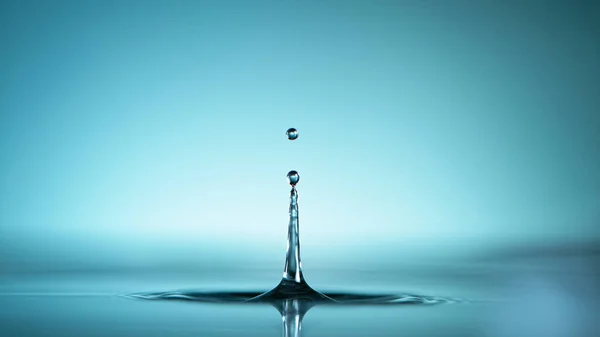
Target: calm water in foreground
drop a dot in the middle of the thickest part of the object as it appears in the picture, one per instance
(547, 293)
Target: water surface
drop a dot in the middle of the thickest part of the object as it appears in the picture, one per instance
(548, 292)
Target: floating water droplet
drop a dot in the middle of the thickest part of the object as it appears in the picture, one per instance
(293, 177)
(292, 133)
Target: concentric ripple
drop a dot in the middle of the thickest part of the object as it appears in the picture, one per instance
(269, 297)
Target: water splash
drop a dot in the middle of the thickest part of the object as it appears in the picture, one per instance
(293, 291)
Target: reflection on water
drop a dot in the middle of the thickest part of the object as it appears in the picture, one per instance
(292, 310)
(532, 294)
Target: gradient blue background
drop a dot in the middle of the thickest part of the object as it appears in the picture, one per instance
(144, 133)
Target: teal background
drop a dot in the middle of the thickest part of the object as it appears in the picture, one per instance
(146, 134)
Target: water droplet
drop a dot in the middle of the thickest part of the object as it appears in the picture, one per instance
(292, 133)
(293, 177)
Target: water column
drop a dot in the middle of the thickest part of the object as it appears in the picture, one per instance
(293, 266)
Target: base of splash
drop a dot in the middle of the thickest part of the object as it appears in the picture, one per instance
(289, 290)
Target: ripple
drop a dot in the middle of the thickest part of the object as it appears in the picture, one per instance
(255, 297)
(288, 290)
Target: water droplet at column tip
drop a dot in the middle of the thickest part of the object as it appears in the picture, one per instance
(293, 177)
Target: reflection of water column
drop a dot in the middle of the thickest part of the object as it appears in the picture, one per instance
(292, 312)
(293, 266)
